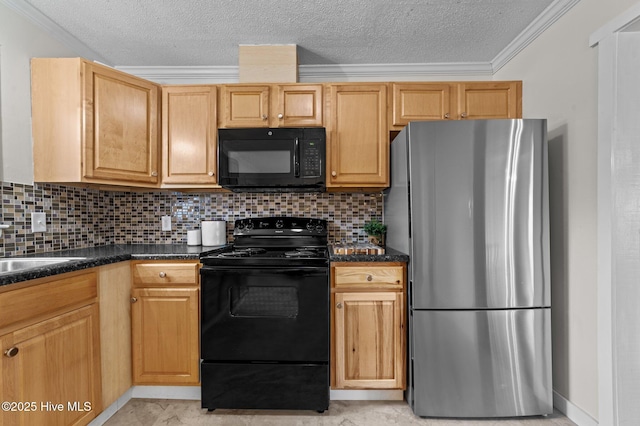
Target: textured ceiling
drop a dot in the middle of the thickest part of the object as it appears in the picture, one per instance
(208, 32)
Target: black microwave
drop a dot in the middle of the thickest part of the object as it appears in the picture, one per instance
(272, 160)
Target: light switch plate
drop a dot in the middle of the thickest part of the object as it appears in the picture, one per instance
(166, 223)
(38, 222)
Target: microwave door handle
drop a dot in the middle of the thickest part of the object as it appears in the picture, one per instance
(296, 158)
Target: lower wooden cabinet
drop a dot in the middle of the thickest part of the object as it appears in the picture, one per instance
(51, 367)
(368, 326)
(165, 323)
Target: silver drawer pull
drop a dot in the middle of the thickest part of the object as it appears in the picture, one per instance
(162, 274)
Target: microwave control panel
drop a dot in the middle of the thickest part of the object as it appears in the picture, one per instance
(312, 158)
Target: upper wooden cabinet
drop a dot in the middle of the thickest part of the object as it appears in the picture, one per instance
(420, 101)
(357, 136)
(281, 105)
(93, 124)
(189, 135)
(454, 101)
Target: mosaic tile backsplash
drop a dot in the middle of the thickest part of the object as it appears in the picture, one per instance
(81, 217)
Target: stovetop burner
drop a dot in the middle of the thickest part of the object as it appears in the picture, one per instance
(277, 241)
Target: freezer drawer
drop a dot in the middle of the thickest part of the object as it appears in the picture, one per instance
(493, 363)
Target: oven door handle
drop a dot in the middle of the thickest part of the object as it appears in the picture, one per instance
(254, 270)
(296, 158)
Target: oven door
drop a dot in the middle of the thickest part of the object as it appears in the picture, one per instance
(265, 314)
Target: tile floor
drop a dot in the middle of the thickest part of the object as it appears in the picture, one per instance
(155, 412)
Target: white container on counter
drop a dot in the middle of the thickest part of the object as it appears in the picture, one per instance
(214, 232)
(194, 237)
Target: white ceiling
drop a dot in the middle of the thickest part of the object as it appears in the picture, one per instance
(191, 33)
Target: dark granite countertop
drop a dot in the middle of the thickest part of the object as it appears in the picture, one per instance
(391, 255)
(104, 255)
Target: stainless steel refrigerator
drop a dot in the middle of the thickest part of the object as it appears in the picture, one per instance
(469, 203)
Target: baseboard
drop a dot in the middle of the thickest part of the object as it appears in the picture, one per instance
(366, 395)
(573, 412)
(166, 392)
(112, 409)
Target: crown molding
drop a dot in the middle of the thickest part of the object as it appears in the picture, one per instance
(312, 73)
(548, 16)
(619, 23)
(53, 29)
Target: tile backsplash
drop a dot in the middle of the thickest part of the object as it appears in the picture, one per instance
(82, 217)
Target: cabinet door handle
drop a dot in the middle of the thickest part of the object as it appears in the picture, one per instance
(134, 299)
(280, 116)
(446, 116)
(211, 173)
(154, 174)
(463, 115)
(264, 117)
(369, 278)
(339, 306)
(11, 352)
(162, 274)
(334, 173)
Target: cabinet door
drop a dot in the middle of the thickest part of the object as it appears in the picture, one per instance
(189, 134)
(57, 367)
(358, 139)
(165, 336)
(121, 126)
(420, 101)
(486, 100)
(298, 106)
(245, 106)
(369, 347)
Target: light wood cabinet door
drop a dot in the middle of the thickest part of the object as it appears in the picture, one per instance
(298, 106)
(189, 135)
(121, 126)
(165, 336)
(419, 102)
(245, 105)
(357, 136)
(56, 365)
(486, 100)
(369, 340)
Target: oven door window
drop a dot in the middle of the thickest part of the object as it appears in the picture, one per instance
(266, 302)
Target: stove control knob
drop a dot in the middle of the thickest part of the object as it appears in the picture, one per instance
(240, 225)
(279, 224)
(310, 226)
(319, 228)
(249, 226)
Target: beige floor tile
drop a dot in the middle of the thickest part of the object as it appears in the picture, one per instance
(156, 412)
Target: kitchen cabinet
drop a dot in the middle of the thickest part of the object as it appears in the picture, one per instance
(189, 135)
(93, 124)
(165, 322)
(420, 101)
(114, 292)
(275, 105)
(50, 361)
(486, 100)
(357, 136)
(454, 101)
(368, 344)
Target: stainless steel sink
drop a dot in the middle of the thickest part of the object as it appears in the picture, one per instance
(22, 263)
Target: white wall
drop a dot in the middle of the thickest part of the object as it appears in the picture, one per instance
(20, 40)
(559, 73)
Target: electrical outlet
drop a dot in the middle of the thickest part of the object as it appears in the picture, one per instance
(166, 223)
(38, 222)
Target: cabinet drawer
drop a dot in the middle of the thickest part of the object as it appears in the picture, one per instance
(370, 277)
(40, 300)
(164, 273)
